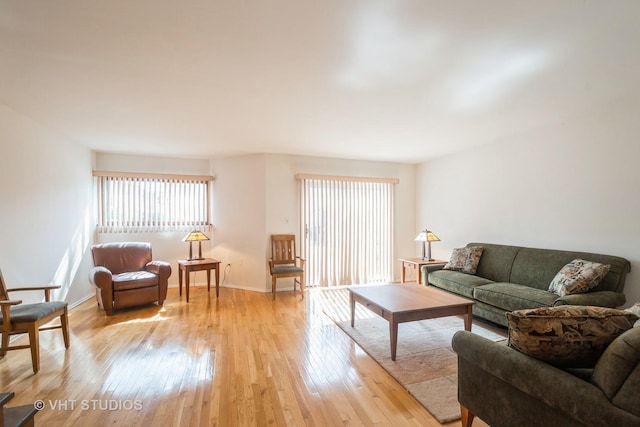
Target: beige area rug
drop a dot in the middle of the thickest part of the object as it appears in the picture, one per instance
(425, 363)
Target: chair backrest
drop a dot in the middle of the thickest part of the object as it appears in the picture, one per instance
(122, 257)
(283, 248)
(4, 295)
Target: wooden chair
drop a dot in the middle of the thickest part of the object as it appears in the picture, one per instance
(18, 318)
(283, 261)
(16, 416)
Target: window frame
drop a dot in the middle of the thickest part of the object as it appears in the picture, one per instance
(139, 224)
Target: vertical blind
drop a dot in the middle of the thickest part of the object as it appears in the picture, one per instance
(137, 202)
(347, 229)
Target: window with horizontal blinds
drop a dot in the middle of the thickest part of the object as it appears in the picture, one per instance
(147, 202)
(347, 230)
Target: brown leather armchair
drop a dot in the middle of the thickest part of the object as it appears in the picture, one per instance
(125, 275)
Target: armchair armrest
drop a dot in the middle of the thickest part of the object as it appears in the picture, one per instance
(100, 277)
(9, 303)
(163, 270)
(600, 298)
(158, 267)
(47, 290)
(5, 307)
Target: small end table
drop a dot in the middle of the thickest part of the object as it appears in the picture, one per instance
(208, 264)
(416, 264)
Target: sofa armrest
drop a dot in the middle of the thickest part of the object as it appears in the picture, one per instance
(601, 299)
(426, 269)
(521, 375)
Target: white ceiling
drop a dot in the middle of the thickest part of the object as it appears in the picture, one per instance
(363, 79)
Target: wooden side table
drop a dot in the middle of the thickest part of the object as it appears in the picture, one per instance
(416, 264)
(208, 264)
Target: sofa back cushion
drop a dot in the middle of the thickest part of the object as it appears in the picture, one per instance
(122, 257)
(617, 372)
(496, 261)
(537, 268)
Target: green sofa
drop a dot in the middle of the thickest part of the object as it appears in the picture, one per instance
(507, 388)
(512, 278)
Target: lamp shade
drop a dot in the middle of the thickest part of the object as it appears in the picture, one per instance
(195, 236)
(427, 236)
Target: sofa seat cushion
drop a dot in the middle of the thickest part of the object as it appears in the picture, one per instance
(567, 336)
(134, 280)
(456, 282)
(510, 296)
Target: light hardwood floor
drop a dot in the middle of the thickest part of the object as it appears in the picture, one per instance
(241, 360)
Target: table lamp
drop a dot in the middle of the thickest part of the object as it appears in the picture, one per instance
(195, 236)
(426, 237)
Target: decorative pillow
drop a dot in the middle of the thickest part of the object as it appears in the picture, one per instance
(465, 260)
(578, 277)
(569, 335)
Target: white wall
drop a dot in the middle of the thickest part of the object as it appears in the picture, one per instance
(239, 219)
(572, 186)
(46, 215)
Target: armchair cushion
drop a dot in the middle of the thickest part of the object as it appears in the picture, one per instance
(134, 280)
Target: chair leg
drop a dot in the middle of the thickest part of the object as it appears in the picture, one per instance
(34, 343)
(273, 287)
(64, 322)
(302, 285)
(5, 344)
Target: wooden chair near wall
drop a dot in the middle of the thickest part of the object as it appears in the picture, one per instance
(18, 318)
(284, 261)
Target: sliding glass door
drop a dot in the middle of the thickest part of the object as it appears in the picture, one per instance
(347, 230)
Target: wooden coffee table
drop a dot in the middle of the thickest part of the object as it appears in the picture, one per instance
(407, 303)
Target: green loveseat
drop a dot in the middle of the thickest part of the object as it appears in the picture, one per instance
(507, 388)
(512, 278)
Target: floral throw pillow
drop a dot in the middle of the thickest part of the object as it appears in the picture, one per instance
(578, 277)
(568, 335)
(465, 260)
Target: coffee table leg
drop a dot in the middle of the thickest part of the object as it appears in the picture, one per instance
(468, 318)
(352, 303)
(393, 337)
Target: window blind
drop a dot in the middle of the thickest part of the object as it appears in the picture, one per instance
(348, 230)
(142, 202)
